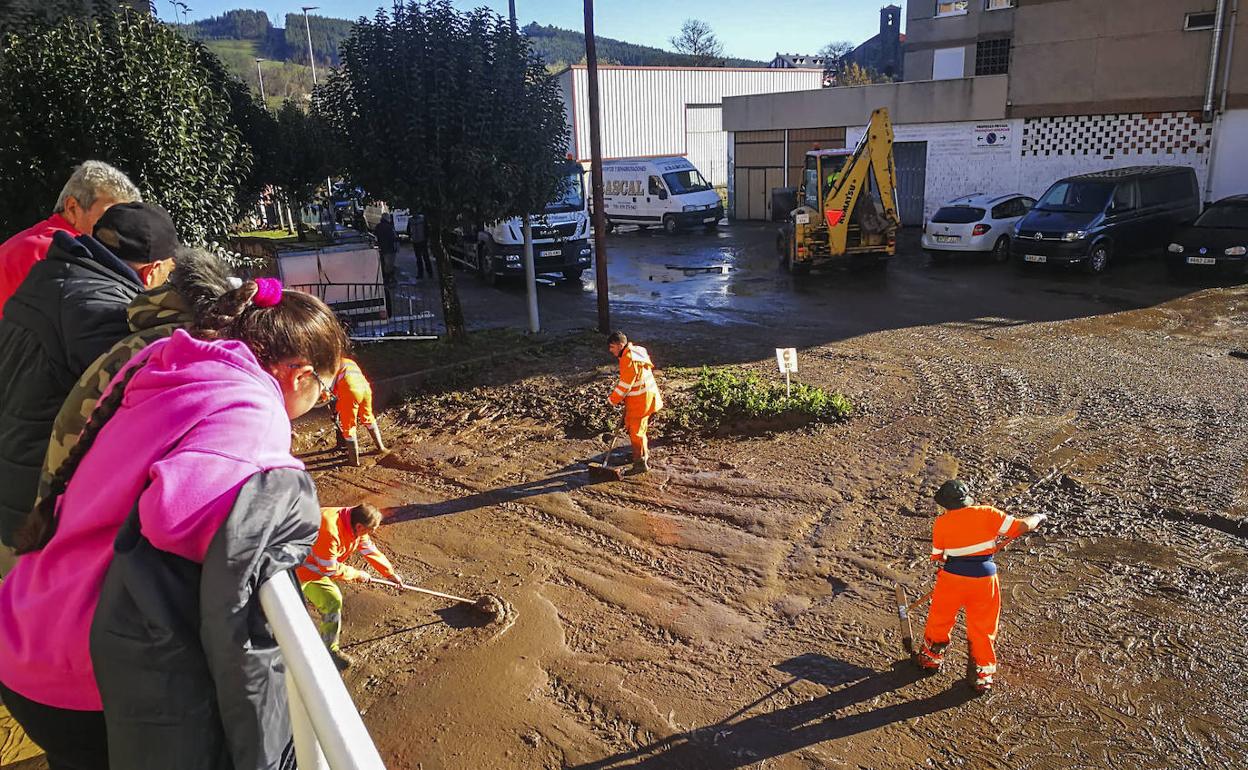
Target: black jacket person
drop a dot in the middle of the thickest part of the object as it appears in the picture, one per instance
(69, 310)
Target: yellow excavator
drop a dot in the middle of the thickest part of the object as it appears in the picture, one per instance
(847, 205)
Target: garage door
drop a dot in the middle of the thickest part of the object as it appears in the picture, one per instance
(910, 158)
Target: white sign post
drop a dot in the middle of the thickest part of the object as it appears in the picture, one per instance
(786, 359)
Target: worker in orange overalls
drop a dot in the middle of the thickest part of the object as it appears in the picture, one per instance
(344, 531)
(354, 396)
(964, 539)
(639, 393)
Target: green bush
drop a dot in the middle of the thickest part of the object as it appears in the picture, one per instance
(721, 397)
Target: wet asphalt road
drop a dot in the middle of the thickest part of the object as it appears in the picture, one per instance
(730, 279)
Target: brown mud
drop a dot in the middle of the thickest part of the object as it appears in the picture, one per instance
(733, 608)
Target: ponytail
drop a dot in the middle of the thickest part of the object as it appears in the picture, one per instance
(40, 524)
(275, 324)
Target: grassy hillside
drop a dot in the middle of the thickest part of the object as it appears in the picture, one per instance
(240, 37)
(561, 47)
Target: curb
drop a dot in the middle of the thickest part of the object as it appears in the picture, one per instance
(387, 389)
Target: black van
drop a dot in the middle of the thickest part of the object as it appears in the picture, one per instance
(1091, 219)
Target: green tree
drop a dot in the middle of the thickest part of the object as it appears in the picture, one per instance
(451, 114)
(126, 89)
(302, 155)
(854, 74)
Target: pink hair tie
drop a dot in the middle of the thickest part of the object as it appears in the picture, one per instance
(268, 292)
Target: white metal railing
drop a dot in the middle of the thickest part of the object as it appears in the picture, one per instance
(329, 733)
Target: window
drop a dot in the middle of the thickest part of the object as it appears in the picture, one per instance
(1193, 22)
(992, 57)
(996, 5)
(655, 187)
(948, 63)
(1125, 197)
(952, 7)
(1076, 197)
(681, 182)
(957, 215)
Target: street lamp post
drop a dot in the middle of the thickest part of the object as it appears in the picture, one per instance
(308, 29)
(260, 77)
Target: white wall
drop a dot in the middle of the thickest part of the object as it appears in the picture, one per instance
(1230, 173)
(1042, 150)
(656, 111)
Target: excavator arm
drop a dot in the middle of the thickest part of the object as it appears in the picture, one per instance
(874, 156)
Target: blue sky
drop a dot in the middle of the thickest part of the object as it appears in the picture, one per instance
(751, 29)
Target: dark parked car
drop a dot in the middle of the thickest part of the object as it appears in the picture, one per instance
(1094, 218)
(1216, 241)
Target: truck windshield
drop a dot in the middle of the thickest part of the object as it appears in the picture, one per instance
(570, 195)
(688, 181)
(1077, 197)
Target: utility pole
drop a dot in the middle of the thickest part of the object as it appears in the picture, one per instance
(307, 27)
(260, 76)
(595, 173)
(526, 230)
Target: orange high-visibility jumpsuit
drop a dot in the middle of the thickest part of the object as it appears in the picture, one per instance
(964, 539)
(355, 398)
(640, 394)
(334, 545)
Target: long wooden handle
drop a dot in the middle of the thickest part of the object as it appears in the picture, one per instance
(419, 590)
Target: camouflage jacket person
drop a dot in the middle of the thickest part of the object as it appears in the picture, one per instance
(198, 279)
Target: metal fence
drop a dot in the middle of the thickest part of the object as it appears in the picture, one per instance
(373, 311)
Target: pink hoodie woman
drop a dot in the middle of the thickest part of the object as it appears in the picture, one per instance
(196, 422)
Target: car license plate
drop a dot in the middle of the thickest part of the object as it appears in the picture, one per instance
(1035, 258)
(1202, 261)
(947, 239)
(550, 253)
(709, 219)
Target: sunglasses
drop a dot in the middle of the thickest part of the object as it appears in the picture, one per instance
(326, 393)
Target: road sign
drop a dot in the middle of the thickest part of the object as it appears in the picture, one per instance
(786, 359)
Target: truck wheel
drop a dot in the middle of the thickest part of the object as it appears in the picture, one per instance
(610, 226)
(669, 224)
(708, 226)
(485, 266)
(573, 274)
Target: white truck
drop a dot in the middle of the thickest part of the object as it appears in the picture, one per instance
(666, 192)
(561, 236)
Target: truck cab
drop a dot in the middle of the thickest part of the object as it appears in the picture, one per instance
(847, 210)
(561, 235)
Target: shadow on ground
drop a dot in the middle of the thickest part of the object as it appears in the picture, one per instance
(738, 740)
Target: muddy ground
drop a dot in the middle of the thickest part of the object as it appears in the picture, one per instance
(734, 608)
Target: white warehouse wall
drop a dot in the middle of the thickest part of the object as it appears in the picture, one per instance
(657, 111)
(1040, 151)
(1229, 175)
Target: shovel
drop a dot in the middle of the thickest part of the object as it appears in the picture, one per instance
(489, 604)
(604, 471)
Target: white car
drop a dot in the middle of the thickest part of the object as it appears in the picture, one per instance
(979, 224)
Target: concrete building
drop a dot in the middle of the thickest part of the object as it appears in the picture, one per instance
(1004, 96)
(662, 111)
